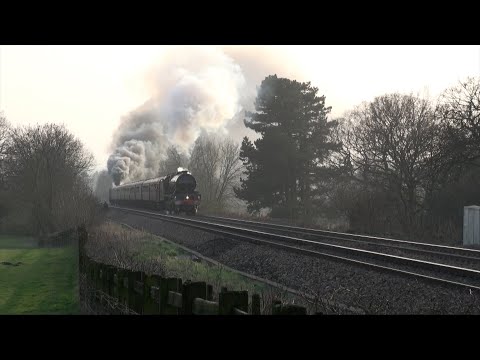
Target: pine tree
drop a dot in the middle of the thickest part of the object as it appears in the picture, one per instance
(285, 166)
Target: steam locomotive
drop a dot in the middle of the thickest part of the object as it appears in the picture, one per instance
(173, 193)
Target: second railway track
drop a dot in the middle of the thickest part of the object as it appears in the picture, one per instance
(310, 244)
(449, 255)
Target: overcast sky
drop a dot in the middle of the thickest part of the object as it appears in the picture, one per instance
(89, 88)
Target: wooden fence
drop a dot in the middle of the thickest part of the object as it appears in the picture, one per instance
(152, 294)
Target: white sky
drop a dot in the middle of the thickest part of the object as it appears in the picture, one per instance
(89, 88)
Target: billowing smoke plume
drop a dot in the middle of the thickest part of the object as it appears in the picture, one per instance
(139, 142)
(193, 89)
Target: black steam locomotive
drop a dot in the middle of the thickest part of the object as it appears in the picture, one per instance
(173, 193)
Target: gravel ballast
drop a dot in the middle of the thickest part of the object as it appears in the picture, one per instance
(370, 290)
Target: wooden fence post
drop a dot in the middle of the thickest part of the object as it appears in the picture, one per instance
(190, 291)
(130, 275)
(149, 294)
(255, 304)
(294, 310)
(116, 290)
(279, 309)
(166, 285)
(209, 292)
(122, 287)
(150, 303)
(229, 300)
(110, 285)
(138, 290)
(96, 282)
(276, 306)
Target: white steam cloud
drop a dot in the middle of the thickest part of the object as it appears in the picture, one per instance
(193, 89)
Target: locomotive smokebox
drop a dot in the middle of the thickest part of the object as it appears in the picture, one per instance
(183, 182)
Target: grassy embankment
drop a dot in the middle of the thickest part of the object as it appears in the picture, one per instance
(115, 244)
(44, 282)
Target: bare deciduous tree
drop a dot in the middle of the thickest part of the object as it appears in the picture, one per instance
(46, 169)
(392, 145)
(459, 111)
(230, 169)
(216, 165)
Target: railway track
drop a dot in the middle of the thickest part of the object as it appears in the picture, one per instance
(449, 255)
(433, 271)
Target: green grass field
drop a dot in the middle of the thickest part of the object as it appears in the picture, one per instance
(45, 283)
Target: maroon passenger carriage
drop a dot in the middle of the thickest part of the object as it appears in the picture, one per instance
(173, 193)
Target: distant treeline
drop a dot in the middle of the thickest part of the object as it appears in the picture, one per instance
(399, 165)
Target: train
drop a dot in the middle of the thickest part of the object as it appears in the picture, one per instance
(174, 193)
